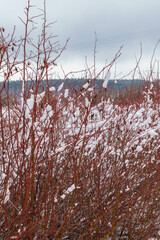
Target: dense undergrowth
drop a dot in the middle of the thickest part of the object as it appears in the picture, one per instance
(78, 170)
(75, 165)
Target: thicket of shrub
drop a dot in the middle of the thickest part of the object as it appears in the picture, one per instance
(71, 167)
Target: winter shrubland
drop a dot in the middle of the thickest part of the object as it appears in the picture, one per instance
(75, 164)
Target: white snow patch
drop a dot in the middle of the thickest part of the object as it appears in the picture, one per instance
(87, 103)
(105, 83)
(48, 108)
(127, 189)
(63, 196)
(66, 93)
(3, 176)
(152, 133)
(77, 112)
(30, 103)
(90, 89)
(86, 85)
(52, 89)
(60, 149)
(139, 149)
(40, 97)
(60, 87)
(7, 195)
(70, 189)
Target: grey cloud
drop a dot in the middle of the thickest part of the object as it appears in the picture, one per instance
(115, 22)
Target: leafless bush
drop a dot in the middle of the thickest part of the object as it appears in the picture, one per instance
(71, 167)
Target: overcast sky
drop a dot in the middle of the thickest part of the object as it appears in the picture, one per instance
(116, 23)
